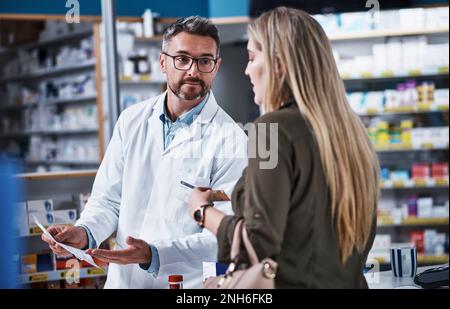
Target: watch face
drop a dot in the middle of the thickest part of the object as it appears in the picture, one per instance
(198, 215)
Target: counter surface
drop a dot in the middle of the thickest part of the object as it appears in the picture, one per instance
(386, 280)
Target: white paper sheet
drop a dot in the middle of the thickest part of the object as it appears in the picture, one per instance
(79, 254)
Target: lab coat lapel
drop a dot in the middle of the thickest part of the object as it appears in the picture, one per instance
(156, 125)
(194, 130)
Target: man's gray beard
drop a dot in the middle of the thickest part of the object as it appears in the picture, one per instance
(181, 96)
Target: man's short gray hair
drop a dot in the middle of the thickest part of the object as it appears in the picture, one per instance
(193, 25)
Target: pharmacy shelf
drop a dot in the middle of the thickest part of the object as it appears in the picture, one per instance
(48, 132)
(12, 107)
(406, 149)
(421, 259)
(389, 76)
(361, 35)
(415, 184)
(58, 175)
(415, 222)
(59, 275)
(35, 231)
(43, 73)
(410, 111)
(61, 162)
(65, 132)
(143, 82)
(70, 37)
(399, 187)
(75, 100)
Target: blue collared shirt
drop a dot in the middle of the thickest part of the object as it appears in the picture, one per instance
(170, 128)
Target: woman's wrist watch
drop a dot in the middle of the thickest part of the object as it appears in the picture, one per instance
(199, 214)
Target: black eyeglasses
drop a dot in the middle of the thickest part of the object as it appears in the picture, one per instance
(184, 63)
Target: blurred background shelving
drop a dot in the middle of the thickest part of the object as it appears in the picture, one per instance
(51, 106)
(396, 76)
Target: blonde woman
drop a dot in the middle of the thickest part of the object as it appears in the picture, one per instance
(315, 212)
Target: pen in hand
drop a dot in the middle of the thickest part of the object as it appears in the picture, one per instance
(187, 184)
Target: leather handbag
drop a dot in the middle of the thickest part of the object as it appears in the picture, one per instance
(259, 275)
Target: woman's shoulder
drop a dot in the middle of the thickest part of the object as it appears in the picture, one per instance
(289, 120)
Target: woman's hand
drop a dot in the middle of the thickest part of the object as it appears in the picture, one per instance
(199, 196)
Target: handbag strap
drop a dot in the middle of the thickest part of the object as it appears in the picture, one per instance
(240, 233)
(236, 243)
(249, 247)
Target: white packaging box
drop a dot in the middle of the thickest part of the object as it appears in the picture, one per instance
(389, 20)
(419, 137)
(355, 101)
(429, 241)
(40, 205)
(437, 17)
(374, 101)
(397, 215)
(209, 270)
(405, 212)
(425, 207)
(381, 242)
(21, 219)
(394, 61)
(412, 18)
(413, 53)
(438, 136)
(441, 97)
(45, 218)
(359, 21)
(432, 59)
(439, 243)
(363, 64)
(329, 23)
(83, 200)
(440, 211)
(380, 57)
(66, 216)
(392, 98)
(380, 248)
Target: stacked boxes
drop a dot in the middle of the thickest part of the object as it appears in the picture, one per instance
(409, 96)
(44, 211)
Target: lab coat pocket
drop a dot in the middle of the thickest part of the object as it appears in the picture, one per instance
(179, 212)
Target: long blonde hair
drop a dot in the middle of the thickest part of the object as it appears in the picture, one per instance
(297, 45)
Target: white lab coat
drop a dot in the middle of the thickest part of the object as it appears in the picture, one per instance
(137, 190)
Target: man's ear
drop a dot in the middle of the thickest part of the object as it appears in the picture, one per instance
(219, 62)
(162, 62)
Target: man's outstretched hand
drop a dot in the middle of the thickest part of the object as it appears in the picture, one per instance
(138, 252)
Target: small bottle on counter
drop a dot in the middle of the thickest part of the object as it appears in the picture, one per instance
(175, 282)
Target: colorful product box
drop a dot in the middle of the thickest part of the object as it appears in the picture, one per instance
(28, 263)
(417, 238)
(439, 170)
(420, 171)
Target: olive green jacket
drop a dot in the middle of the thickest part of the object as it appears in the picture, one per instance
(287, 212)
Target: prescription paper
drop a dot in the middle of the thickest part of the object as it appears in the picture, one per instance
(79, 254)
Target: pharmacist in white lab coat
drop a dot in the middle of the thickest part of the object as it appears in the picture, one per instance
(182, 135)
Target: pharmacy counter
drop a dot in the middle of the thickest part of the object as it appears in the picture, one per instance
(386, 280)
